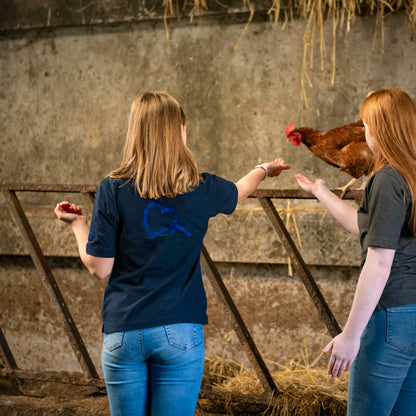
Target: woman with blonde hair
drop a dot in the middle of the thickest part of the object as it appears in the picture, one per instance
(378, 341)
(149, 220)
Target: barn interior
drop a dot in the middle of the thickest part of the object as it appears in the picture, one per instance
(242, 71)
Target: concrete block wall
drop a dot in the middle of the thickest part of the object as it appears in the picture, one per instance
(64, 101)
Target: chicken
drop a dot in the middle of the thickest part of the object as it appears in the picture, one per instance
(343, 147)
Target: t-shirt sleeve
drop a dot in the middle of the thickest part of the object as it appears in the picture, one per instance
(104, 223)
(387, 211)
(224, 196)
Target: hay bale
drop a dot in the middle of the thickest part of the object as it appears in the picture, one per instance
(304, 390)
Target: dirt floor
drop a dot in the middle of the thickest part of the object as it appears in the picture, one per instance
(39, 398)
(29, 398)
(94, 404)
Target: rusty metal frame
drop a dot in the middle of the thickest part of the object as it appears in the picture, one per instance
(300, 265)
(49, 282)
(238, 324)
(90, 376)
(6, 353)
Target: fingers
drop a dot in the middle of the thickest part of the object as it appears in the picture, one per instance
(67, 211)
(300, 178)
(276, 167)
(343, 352)
(337, 367)
(59, 204)
(58, 210)
(69, 208)
(328, 347)
(331, 365)
(282, 164)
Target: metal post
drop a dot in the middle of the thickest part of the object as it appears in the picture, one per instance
(238, 324)
(49, 281)
(300, 265)
(6, 353)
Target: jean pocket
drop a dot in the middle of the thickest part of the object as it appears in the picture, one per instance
(113, 340)
(184, 336)
(401, 324)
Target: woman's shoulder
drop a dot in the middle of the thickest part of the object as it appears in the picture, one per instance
(110, 182)
(391, 178)
(211, 181)
(210, 177)
(389, 173)
(111, 186)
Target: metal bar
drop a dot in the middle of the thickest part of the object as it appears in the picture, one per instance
(238, 324)
(57, 377)
(49, 281)
(259, 193)
(39, 187)
(222, 397)
(6, 353)
(300, 194)
(304, 273)
(226, 398)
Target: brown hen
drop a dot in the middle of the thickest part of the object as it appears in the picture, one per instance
(343, 147)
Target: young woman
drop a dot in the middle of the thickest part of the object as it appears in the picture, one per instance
(149, 220)
(379, 338)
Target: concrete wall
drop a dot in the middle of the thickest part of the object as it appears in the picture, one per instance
(65, 95)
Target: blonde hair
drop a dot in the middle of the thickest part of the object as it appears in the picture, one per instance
(155, 155)
(391, 118)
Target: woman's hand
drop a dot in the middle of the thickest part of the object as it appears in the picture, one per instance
(99, 267)
(249, 183)
(343, 212)
(275, 168)
(309, 186)
(343, 349)
(68, 212)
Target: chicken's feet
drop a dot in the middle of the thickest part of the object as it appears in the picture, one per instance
(344, 189)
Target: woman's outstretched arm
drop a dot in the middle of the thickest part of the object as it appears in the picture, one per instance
(249, 183)
(344, 213)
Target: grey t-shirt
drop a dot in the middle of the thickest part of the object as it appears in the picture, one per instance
(383, 219)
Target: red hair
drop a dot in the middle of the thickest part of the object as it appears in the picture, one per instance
(390, 115)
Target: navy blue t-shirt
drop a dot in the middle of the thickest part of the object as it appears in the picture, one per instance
(156, 245)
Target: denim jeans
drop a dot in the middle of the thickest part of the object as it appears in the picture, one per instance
(383, 376)
(154, 371)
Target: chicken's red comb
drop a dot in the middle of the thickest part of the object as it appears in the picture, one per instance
(289, 129)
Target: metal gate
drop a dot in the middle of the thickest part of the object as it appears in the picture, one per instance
(90, 376)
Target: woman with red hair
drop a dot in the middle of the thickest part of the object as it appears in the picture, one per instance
(378, 341)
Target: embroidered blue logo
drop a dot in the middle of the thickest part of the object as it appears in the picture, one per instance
(91, 236)
(163, 220)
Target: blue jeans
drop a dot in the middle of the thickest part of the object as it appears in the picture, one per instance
(383, 376)
(154, 371)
